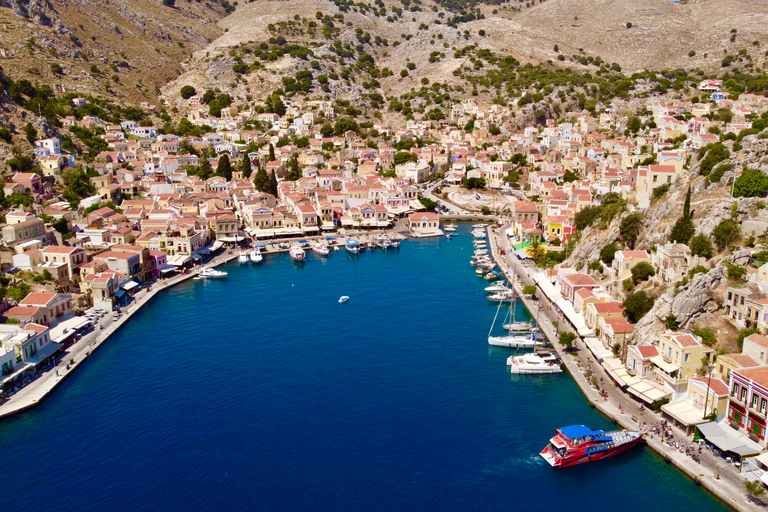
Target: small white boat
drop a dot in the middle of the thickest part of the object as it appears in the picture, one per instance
(515, 341)
(450, 227)
(497, 288)
(448, 236)
(212, 273)
(343, 299)
(321, 249)
(243, 257)
(394, 243)
(352, 246)
(256, 256)
(477, 235)
(336, 248)
(501, 296)
(479, 226)
(518, 327)
(297, 253)
(531, 364)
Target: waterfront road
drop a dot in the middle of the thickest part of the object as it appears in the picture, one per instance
(714, 473)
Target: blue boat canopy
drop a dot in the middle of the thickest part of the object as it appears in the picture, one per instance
(575, 431)
(303, 242)
(261, 245)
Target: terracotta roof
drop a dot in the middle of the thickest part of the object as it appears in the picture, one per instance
(607, 307)
(758, 374)
(758, 339)
(37, 298)
(684, 340)
(578, 279)
(717, 386)
(647, 351)
(743, 360)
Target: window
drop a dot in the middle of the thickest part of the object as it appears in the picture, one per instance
(743, 394)
(687, 356)
(763, 404)
(735, 391)
(754, 401)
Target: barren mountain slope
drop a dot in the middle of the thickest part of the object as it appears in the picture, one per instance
(661, 36)
(142, 43)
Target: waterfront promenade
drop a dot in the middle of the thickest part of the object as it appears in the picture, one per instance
(713, 473)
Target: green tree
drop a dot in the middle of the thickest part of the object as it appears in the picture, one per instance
(225, 167)
(671, 323)
(344, 125)
(726, 233)
(326, 130)
(294, 172)
(19, 291)
(634, 124)
(700, 245)
(245, 167)
(642, 272)
(428, 203)
(274, 104)
(271, 152)
(608, 252)
(630, 227)
(204, 169)
(60, 225)
(755, 489)
(683, 229)
(751, 183)
(31, 133)
(529, 290)
(187, 92)
(566, 339)
(261, 181)
(636, 305)
(273, 183)
(77, 183)
(744, 334)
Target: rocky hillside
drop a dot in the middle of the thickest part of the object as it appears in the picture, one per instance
(124, 49)
(427, 40)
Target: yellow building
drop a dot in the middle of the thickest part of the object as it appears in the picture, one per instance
(680, 356)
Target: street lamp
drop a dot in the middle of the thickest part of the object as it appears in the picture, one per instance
(706, 397)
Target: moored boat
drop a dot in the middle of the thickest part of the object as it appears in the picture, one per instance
(518, 327)
(498, 286)
(515, 341)
(343, 299)
(352, 245)
(321, 249)
(529, 364)
(450, 227)
(212, 273)
(578, 444)
(297, 253)
(256, 256)
(243, 257)
(501, 296)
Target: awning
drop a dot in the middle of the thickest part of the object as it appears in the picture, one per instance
(726, 444)
(763, 459)
(685, 413)
(218, 244)
(745, 451)
(120, 293)
(43, 353)
(168, 268)
(197, 256)
(648, 392)
(129, 285)
(711, 429)
(521, 254)
(596, 347)
(179, 260)
(617, 371)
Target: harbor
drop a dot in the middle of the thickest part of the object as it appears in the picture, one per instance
(393, 393)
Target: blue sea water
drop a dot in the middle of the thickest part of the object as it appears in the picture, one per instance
(261, 392)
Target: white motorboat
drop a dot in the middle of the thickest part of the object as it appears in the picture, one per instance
(256, 256)
(477, 235)
(448, 236)
(450, 227)
(352, 246)
(515, 341)
(497, 288)
(336, 248)
(502, 296)
(297, 253)
(321, 249)
(531, 364)
(386, 244)
(518, 327)
(394, 243)
(479, 226)
(212, 273)
(343, 299)
(243, 257)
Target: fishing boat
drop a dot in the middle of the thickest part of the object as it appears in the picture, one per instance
(448, 236)
(321, 249)
(394, 243)
(363, 246)
(386, 244)
(212, 273)
(529, 364)
(256, 256)
(297, 253)
(498, 286)
(450, 227)
(478, 234)
(343, 299)
(352, 245)
(578, 444)
(491, 276)
(243, 257)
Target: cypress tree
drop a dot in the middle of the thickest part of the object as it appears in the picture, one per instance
(687, 204)
(204, 170)
(271, 153)
(224, 168)
(261, 181)
(246, 166)
(273, 183)
(683, 230)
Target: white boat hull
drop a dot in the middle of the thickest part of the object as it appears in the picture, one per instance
(256, 257)
(514, 342)
(531, 364)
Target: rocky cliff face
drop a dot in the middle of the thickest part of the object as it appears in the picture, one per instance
(691, 301)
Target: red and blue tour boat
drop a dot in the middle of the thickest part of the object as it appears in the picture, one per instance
(578, 444)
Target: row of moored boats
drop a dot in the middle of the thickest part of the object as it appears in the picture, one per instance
(517, 335)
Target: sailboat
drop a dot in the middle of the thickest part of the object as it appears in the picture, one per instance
(513, 339)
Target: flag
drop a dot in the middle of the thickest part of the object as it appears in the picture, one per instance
(477, 196)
